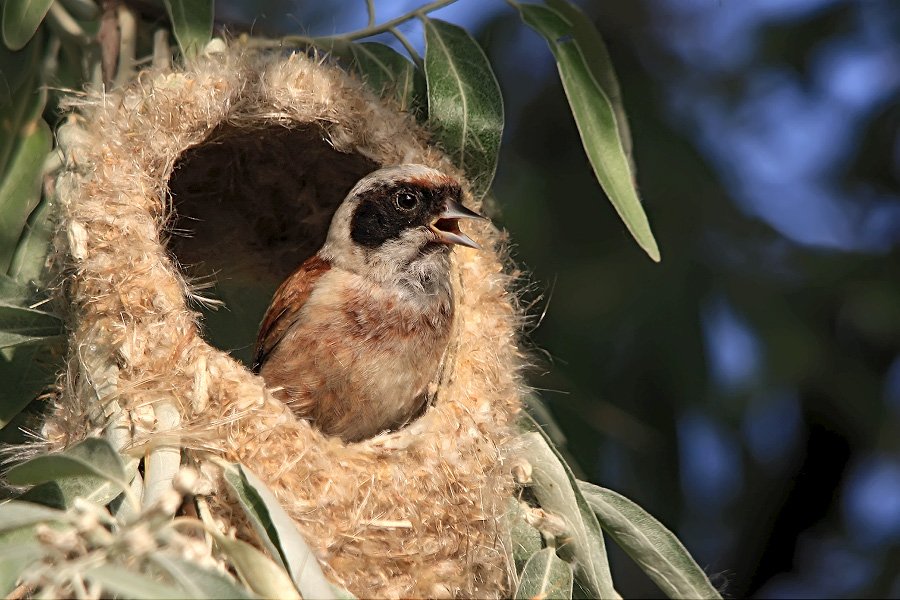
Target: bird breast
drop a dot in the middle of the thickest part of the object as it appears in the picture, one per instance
(362, 354)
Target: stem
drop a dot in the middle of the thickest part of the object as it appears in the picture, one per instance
(388, 25)
(370, 7)
(409, 48)
(127, 45)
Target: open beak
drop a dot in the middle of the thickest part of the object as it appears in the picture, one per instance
(446, 226)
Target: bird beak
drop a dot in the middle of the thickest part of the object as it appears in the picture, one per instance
(446, 226)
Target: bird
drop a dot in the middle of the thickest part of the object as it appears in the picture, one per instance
(353, 337)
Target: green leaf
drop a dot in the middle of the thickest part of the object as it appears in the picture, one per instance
(20, 325)
(14, 559)
(16, 67)
(15, 514)
(464, 101)
(20, 187)
(656, 549)
(30, 370)
(192, 22)
(385, 70)
(28, 259)
(597, 58)
(596, 120)
(62, 492)
(260, 572)
(526, 540)
(278, 532)
(21, 19)
(91, 457)
(545, 576)
(556, 490)
(198, 581)
(83, 10)
(125, 583)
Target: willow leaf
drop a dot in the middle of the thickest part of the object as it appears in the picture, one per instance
(656, 549)
(21, 19)
(595, 118)
(545, 576)
(385, 70)
(192, 22)
(464, 101)
(556, 490)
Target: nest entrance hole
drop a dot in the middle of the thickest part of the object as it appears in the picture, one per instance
(250, 205)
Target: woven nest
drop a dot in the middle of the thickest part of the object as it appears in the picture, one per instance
(229, 171)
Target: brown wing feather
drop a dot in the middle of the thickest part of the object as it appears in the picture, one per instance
(285, 307)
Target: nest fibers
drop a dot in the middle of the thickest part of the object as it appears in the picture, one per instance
(231, 168)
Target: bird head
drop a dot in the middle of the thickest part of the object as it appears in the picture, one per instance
(397, 222)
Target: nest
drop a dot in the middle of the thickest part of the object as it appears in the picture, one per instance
(227, 172)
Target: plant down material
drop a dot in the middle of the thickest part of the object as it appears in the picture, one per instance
(250, 151)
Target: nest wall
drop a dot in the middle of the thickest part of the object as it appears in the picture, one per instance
(231, 167)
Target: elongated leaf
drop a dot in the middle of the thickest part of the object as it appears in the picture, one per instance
(278, 532)
(62, 492)
(198, 581)
(656, 549)
(596, 121)
(386, 71)
(15, 514)
(545, 576)
(260, 572)
(19, 325)
(83, 10)
(91, 457)
(16, 67)
(526, 540)
(125, 583)
(21, 18)
(30, 255)
(192, 22)
(557, 492)
(20, 188)
(24, 376)
(14, 559)
(464, 101)
(597, 58)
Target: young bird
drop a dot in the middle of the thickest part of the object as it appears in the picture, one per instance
(354, 336)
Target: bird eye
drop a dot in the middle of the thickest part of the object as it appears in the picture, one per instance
(406, 201)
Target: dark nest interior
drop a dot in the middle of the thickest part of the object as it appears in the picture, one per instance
(250, 205)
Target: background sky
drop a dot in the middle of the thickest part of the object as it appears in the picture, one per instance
(746, 390)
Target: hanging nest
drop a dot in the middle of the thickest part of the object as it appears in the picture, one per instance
(227, 172)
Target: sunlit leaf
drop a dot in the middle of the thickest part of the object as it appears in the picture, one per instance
(545, 576)
(198, 581)
(656, 549)
(464, 101)
(21, 18)
(92, 457)
(14, 559)
(596, 120)
(556, 490)
(259, 571)
(278, 532)
(20, 325)
(386, 71)
(526, 540)
(125, 583)
(597, 58)
(192, 22)
(15, 514)
(62, 492)
(20, 187)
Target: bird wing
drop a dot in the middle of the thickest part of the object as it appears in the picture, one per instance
(286, 306)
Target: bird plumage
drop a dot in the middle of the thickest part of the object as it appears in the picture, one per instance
(354, 336)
